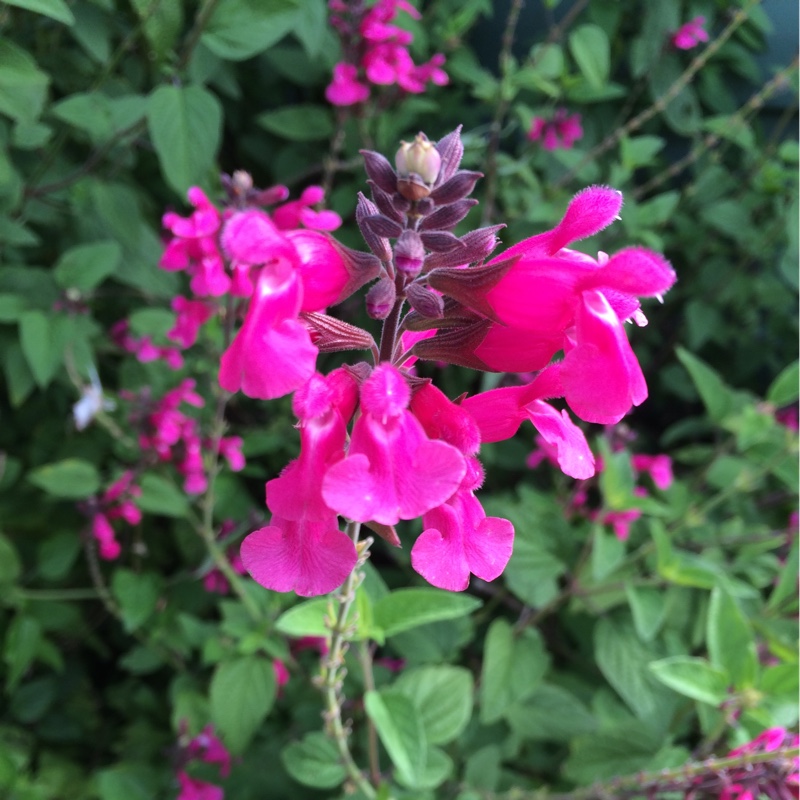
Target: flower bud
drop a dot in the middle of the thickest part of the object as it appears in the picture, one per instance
(409, 253)
(425, 302)
(418, 165)
(381, 298)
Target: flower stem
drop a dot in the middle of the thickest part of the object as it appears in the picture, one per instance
(333, 667)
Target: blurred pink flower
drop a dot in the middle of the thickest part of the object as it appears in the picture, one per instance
(560, 132)
(690, 34)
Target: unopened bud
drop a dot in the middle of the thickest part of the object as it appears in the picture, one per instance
(425, 302)
(409, 253)
(418, 164)
(381, 298)
(242, 181)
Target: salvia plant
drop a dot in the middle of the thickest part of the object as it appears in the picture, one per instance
(272, 521)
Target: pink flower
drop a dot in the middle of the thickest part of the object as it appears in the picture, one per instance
(281, 673)
(621, 521)
(108, 546)
(659, 467)
(195, 789)
(346, 89)
(272, 354)
(230, 448)
(207, 748)
(690, 34)
(392, 470)
(560, 132)
(191, 315)
(299, 212)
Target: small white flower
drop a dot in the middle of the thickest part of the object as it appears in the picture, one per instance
(91, 403)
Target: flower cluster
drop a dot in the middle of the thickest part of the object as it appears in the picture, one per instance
(562, 131)
(115, 503)
(690, 34)
(412, 452)
(205, 748)
(376, 52)
(143, 347)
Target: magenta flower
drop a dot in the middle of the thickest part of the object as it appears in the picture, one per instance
(346, 89)
(561, 132)
(690, 34)
(392, 470)
(659, 467)
(272, 354)
(195, 789)
(191, 316)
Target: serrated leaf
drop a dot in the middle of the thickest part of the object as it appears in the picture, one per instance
(443, 697)
(159, 496)
(55, 9)
(314, 762)
(405, 609)
(185, 125)
(304, 123)
(86, 266)
(731, 644)
(400, 729)
(692, 677)
(71, 478)
(137, 594)
(242, 694)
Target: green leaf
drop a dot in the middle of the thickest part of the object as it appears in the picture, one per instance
(242, 694)
(692, 677)
(55, 9)
(442, 696)
(127, 782)
(608, 552)
(550, 714)
(23, 637)
(71, 478)
(640, 151)
(592, 51)
(512, 669)
(784, 389)
(9, 561)
(304, 123)
(648, 609)
(239, 29)
(185, 124)
(731, 644)
(23, 86)
(716, 395)
(137, 594)
(404, 609)
(400, 729)
(160, 496)
(86, 266)
(37, 335)
(786, 587)
(314, 762)
(306, 619)
(162, 23)
(11, 307)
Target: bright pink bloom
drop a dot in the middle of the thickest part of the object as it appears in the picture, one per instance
(281, 673)
(322, 268)
(272, 354)
(560, 132)
(392, 471)
(621, 521)
(659, 467)
(318, 643)
(789, 418)
(143, 347)
(443, 419)
(299, 212)
(346, 89)
(207, 748)
(108, 546)
(230, 448)
(500, 412)
(302, 549)
(191, 315)
(195, 789)
(690, 34)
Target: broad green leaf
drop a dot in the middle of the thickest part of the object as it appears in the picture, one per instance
(512, 669)
(89, 112)
(56, 554)
(242, 693)
(23, 638)
(71, 478)
(786, 587)
(692, 677)
(404, 609)
(442, 696)
(239, 29)
(550, 714)
(298, 123)
(11, 307)
(590, 48)
(185, 124)
(438, 768)
(127, 782)
(716, 396)
(731, 644)
(639, 151)
(623, 660)
(608, 552)
(23, 86)
(312, 26)
(86, 266)
(18, 374)
(310, 618)
(160, 496)
(137, 594)
(784, 389)
(162, 23)
(151, 321)
(38, 337)
(314, 762)
(532, 572)
(9, 561)
(648, 609)
(55, 9)
(400, 729)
